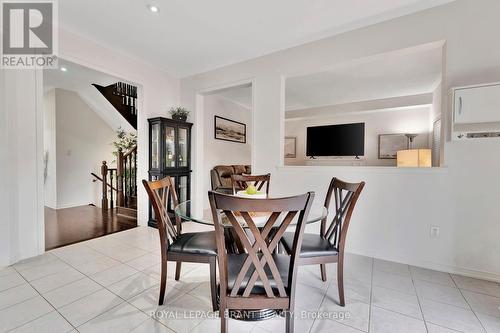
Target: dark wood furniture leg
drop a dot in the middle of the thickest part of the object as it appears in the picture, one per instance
(178, 270)
(163, 283)
(322, 267)
(340, 279)
(213, 282)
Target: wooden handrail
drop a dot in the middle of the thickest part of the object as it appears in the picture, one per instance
(133, 150)
(99, 178)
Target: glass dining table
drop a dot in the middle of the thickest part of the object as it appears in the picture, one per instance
(184, 211)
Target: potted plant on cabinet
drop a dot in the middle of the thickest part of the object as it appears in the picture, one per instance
(179, 113)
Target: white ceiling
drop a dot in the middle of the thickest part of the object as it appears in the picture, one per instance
(76, 78)
(192, 36)
(386, 76)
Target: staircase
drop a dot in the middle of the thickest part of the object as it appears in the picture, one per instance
(123, 97)
(119, 185)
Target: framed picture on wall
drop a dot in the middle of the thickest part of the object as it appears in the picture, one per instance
(229, 130)
(390, 144)
(290, 147)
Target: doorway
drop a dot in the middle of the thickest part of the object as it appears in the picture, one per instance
(90, 154)
(230, 106)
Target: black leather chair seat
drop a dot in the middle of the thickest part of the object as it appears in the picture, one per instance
(313, 245)
(195, 243)
(235, 261)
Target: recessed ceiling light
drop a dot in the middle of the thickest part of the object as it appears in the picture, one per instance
(153, 9)
(64, 69)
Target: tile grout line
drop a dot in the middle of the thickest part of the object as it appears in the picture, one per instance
(473, 311)
(87, 276)
(164, 304)
(50, 304)
(418, 300)
(371, 295)
(27, 299)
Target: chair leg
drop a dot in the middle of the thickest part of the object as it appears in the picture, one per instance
(213, 282)
(163, 281)
(178, 270)
(323, 272)
(340, 280)
(223, 320)
(289, 321)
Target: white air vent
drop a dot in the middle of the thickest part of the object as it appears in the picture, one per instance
(475, 135)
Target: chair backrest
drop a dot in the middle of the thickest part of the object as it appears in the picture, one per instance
(346, 195)
(259, 244)
(242, 182)
(160, 192)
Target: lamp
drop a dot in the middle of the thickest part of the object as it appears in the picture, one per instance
(409, 141)
(414, 158)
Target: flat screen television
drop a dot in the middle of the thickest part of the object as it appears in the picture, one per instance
(336, 140)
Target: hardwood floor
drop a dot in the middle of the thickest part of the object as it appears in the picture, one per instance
(72, 225)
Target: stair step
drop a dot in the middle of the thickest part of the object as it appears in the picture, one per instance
(116, 101)
(126, 212)
(132, 202)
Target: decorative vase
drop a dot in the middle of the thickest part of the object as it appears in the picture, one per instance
(179, 117)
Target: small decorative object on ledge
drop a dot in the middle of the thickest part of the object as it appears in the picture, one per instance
(415, 158)
(179, 113)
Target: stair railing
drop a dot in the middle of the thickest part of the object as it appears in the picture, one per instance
(122, 181)
(108, 188)
(126, 177)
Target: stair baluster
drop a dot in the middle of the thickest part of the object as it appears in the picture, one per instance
(119, 180)
(104, 174)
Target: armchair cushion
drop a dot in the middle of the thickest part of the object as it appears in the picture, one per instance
(239, 169)
(221, 176)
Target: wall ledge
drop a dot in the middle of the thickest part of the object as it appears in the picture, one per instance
(362, 169)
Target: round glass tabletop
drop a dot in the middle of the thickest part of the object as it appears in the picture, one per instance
(183, 210)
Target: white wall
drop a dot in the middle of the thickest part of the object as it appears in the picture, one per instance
(397, 207)
(219, 152)
(83, 141)
(412, 120)
(50, 148)
(21, 221)
(23, 103)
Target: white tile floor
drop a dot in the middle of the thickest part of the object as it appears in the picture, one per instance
(110, 284)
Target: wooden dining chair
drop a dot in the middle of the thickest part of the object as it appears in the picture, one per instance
(258, 278)
(328, 246)
(242, 182)
(199, 247)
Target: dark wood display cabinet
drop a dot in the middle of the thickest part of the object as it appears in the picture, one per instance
(170, 155)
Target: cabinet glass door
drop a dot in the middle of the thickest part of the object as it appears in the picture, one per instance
(183, 147)
(169, 147)
(182, 188)
(151, 210)
(155, 146)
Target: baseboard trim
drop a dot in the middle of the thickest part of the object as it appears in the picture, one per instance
(468, 272)
(72, 205)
